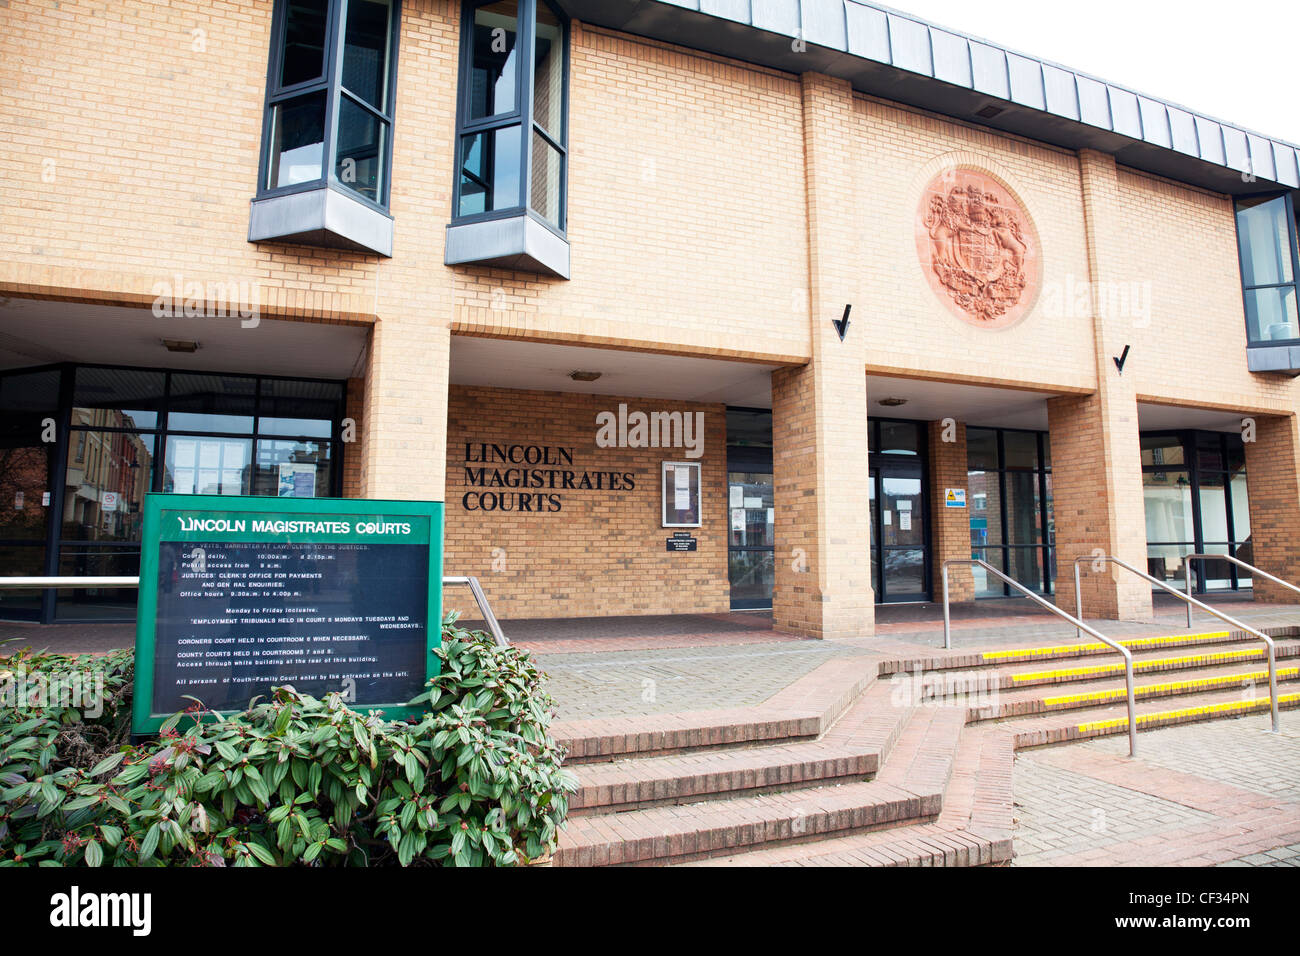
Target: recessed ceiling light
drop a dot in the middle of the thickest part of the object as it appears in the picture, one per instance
(580, 376)
(892, 402)
(989, 111)
(180, 345)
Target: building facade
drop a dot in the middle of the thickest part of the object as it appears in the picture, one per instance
(679, 307)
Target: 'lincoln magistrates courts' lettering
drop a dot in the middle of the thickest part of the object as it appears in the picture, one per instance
(530, 489)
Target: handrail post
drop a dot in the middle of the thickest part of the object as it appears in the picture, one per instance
(947, 623)
(1187, 573)
(1078, 599)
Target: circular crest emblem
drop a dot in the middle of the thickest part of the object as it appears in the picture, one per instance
(978, 247)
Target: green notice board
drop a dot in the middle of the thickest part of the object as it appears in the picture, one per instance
(241, 594)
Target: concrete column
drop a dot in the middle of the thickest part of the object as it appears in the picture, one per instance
(404, 423)
(819, 410)
(949, 527)
(1096, 450)
(1273, 482)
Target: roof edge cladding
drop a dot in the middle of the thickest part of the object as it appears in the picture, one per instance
(902, 58)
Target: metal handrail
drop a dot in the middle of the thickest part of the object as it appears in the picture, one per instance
(1077, 622)
(1255, 572)
(1192, 602)
(134, 582)
(484, 608)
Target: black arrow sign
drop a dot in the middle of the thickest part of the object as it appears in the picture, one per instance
(842, 325)
(1119, 362)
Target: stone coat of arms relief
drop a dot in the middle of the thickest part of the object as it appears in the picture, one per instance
(978, 248)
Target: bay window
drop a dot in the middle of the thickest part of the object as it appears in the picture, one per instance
(328, 127)
(511, 141)
(1266, 240)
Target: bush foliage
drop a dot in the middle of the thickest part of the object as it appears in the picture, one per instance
(476, 781)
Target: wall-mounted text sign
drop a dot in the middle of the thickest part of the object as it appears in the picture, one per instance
(530, 478)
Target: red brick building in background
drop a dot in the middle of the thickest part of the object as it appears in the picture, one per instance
(416, 249)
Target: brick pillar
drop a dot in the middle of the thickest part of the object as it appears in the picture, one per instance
(949, 527)
(1096, 449)
(1273, 485)
(819, 410)
(1097, 499)
(404, 449)
(353, 436)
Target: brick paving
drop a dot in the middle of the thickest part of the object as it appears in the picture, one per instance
(1203, 794)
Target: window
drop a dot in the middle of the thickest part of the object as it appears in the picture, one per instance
(329, 123)
(1009, 482)
(1266, 239)
(512, 151)
(1196, 500)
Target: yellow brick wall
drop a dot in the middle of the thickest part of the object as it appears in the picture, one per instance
(602, 552)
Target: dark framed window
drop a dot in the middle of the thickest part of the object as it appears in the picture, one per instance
(1009, 497)
(1266, 242)
(1196, 499)
(75, 506)
(900, 510)
(512, 115)
(329, 98)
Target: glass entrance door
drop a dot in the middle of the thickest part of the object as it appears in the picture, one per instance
(751, 539)
(899, 540)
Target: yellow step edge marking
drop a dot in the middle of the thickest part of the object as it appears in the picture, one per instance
(1156, 664)
(1147, 690)
(1228, 707)
(1077, 648)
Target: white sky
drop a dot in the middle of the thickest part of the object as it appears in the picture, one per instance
(1236, 61)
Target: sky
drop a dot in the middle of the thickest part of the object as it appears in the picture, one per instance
(1236, 62)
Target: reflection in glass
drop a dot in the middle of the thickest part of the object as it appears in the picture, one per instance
(1265, 241)
(904, 573)
(297, 153)
(899, 438)
(298, 408)
(362, 145)
(304, 41)
(290, 469)
(1021, 449)
(489, 173)
(981, 449)
(212, 403)
(82, 561)
(548, 73)
(547, 174)
(365, 51)
(1168, 502)
(199, 465)
(753, 575)
(107, 477)
(1271, 314)
(496, 61)
(117, 397)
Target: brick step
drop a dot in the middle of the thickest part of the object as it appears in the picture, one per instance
(1037, 700)
(661, 835)
(926, 844)
(966, 682)
(908, 789)
(1101, 721)
(851, 750)
(802, 711)
(951, 660)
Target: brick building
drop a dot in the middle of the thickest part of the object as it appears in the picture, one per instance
(580, 269)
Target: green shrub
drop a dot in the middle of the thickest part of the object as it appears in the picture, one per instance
(476, 781)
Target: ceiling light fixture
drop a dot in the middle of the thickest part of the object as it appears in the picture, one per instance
(892, 402)
(180, 345)
(989, 111)
(580, 376)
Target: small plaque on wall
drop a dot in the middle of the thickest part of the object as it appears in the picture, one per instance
(682, 541)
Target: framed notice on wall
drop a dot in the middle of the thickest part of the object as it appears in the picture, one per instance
(681, 494)
(239, 595)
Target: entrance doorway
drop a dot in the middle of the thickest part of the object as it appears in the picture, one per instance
(900, 536)
(751, 509)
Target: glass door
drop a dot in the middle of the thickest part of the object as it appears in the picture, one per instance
(900, 545)
(751, 539)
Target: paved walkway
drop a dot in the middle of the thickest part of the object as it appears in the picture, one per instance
(1225, 792)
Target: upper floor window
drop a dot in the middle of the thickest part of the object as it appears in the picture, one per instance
(328, 130)
(511, 135)
(1266, 238)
